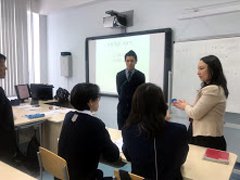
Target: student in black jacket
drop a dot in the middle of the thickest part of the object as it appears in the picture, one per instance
(84, 138)
(155, 147)
(8, 145)
(127, 82)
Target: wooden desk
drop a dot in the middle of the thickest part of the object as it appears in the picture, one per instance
(10, 173)
(195, 167)
(55, 114)
(51, 124)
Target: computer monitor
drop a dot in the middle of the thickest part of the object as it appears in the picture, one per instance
(22, 91)
(41, 91)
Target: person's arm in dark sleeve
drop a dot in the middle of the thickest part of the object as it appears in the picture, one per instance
(183, 148)
(6, 113)
(110, 151)
(118, 84)
(141, 79)
(125, 152)
(124, 147)
(144, 79)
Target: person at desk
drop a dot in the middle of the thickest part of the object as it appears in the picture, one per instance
(155, 147)
(207, 113)
(8, 143)
(84, 138)
(127, 81)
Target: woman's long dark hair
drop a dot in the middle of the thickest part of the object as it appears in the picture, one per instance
(148, 109)
(216, 72)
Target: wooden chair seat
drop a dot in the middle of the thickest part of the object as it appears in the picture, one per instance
(130, 176)
(53, 164)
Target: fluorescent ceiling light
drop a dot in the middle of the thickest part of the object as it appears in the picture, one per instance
(213, 9)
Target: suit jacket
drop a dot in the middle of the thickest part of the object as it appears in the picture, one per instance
(81, 144)
(171, 151)
(126, 89)
(7, 132)
(208, 111)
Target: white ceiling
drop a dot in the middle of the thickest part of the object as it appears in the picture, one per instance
(48, 6)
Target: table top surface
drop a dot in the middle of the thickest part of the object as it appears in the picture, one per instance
(52, 113)
(10, 173)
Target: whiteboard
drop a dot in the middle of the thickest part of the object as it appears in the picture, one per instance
(186, 57)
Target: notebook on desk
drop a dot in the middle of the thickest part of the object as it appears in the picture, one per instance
(216, 156)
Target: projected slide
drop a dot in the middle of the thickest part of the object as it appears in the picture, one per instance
(106, 58)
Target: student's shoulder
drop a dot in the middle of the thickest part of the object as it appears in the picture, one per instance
(130, 130)
(176, 126)
(3, 97)
(89, 117)
(98, 120)
(70, 113)
(2, 93)
(95, 121)
(77, 115)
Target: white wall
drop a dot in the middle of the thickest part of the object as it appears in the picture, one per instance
(48, 6)
(43, 49)
(67, 30)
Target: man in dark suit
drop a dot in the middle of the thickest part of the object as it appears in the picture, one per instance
(127, 82)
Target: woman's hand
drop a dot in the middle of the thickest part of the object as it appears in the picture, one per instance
(168, 116)
(180, 104)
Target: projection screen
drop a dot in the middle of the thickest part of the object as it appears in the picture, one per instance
(105, 57)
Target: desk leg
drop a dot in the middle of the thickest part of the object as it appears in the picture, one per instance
(17, 137)
(40, 134)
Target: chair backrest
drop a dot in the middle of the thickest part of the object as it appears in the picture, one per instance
(53, 164)
(131, 175)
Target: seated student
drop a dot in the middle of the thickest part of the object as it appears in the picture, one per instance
(155, 147)
(84, 137)
(8, 143)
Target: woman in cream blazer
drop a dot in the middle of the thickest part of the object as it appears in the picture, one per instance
(207, 113)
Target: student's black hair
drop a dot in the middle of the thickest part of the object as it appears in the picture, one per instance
(2, 57)
(131, 53)
(148, 109)
(215, 71)
(82, 93)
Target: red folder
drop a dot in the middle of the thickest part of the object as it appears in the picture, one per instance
(216, 155)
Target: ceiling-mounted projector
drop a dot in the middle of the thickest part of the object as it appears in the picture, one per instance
(115, 19)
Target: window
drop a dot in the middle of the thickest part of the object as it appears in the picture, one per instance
(19, 42)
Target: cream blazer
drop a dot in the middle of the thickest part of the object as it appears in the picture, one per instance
(208, 111)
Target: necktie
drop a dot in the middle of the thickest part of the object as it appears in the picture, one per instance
(129, 75)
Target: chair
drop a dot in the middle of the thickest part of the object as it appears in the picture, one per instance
(131, 175)
(53, 164)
